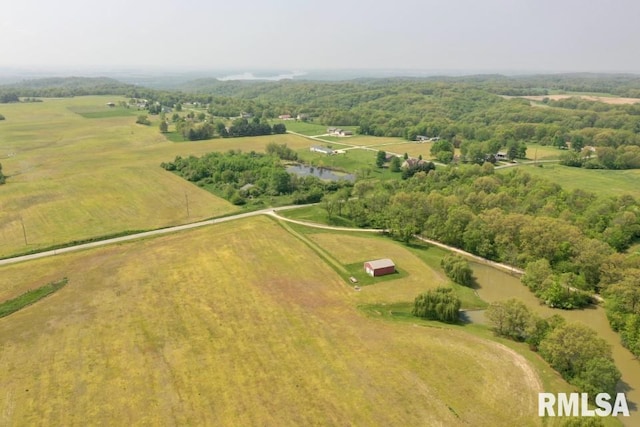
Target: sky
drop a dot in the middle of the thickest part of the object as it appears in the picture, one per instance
(516, 36)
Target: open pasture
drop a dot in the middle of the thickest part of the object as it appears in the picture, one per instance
(177, 330)
(603, 182)
(71, 177)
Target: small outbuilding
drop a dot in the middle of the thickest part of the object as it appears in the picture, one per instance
(379, 267)
(319, 149)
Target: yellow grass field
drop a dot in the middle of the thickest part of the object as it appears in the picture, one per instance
(606, 99)
(72, 177)
(177, 330)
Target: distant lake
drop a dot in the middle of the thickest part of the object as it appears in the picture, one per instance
(322, 173)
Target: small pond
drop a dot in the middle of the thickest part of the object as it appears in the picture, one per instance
(322, 173)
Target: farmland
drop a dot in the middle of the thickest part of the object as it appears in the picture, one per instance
(179, 325)
(74, 177)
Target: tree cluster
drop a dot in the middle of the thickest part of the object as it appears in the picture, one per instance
(565, 240)
(438, 304)
(622, 157)
(574, 350)
(8, 97)
(281, 151)
(623, 304)
(238, 176)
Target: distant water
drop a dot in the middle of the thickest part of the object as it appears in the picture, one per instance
(251, 76)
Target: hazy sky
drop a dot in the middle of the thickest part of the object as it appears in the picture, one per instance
(490, 35)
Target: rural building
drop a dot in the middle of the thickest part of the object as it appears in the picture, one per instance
(331, 131)
(345, 133)
(412, 163)
(501, 155)
(379, 267)
(302, 117)
(284, 116)
(320, 149)
(421, 138)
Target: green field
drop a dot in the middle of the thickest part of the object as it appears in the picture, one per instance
(72, 178)
(309, 128)
(101, 112)
(543, 152)
(177, 330)
(604, 182)
(303, 128)
(352, 160)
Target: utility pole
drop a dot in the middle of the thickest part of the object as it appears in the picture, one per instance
(24, 231)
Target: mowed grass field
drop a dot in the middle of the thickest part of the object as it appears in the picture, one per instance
(604, 182)
(78, 170)
(177, 330)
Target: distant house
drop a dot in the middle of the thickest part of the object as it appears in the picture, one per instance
(502, 155)
(345, 133)
(421, 138)
(412, 163)
(111, 104)
(379, 267)
(244, 115)
(320, 149)
(284, 116)
(331, 131)
(246, 187)
(302, 117)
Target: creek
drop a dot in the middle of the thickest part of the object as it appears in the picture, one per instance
(496, 285)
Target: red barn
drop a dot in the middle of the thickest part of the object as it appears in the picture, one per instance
(379, 267)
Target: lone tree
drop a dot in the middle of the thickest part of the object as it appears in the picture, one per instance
(143, 120)
(381, 157)
(439, 304)
(457, 269)
(164, 127)
(2, 178)
(510, 318)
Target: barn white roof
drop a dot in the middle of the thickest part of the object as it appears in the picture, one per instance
(381, 263)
